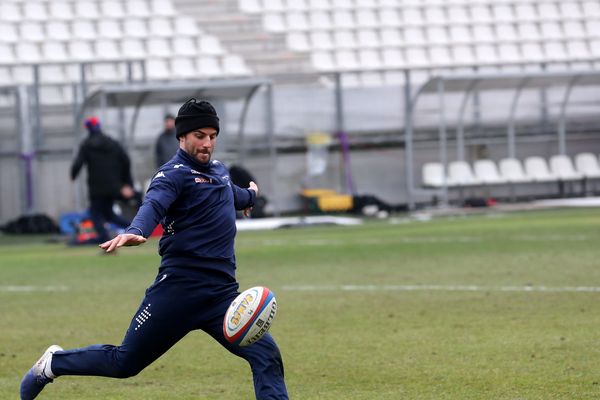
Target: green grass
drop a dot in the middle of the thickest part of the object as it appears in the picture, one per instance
(355, 331)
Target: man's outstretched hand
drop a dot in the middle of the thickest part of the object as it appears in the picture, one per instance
(125, 239)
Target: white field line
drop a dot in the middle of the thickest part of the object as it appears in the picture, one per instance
(439, 288)
(28, 289)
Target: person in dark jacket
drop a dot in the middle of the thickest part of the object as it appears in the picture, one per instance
(195, 201)
(166, 144)
(109, 176)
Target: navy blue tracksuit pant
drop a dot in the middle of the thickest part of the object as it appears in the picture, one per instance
(179, 301)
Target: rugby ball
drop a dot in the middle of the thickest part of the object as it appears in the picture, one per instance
(249, 316)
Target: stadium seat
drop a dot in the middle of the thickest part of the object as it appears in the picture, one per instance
(52, 74)
(135, 28)
(562, 167)
(208, 67)
(433, 175)
(10, 12)
(234, 65)
(82, 29)
(133, 48)
(107, 49)
(537, 168)
(321, 40)
(80, 50)
(343, 19)
(390, 37)
(511, 170)
(487, 173)
(591, 8)
(162, 8)
(28, 52)
(158, 47)
(8, 32)
(346, 59)
(158, 69)
(35, 11)
(368, 38)
(160, 27)
(137, 8)
(320, 20)
(588, 165)
(32, 32)
(57, 30)
(298, 41)
(344, 39)
(274, 22)
(60, 10)
(112, 9)
(273, 5)
(389, 17)
(6, 53)
(183, 68)
(86, 10)
(369, 59)
(297, 21)
(460, 173)
(322, 61)
(209, 44)
(54, 51)
(5, 76)
(109, 29)
(250, 6)
(185, 46)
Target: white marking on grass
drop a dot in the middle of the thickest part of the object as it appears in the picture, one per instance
(440, 288)
(33, 289)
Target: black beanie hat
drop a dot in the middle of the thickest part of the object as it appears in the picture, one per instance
(195, 114)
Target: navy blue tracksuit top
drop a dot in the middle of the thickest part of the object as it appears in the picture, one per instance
(196, 205)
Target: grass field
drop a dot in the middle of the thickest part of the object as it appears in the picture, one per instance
(482, 307)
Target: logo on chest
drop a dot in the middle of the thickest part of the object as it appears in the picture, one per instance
(202, 180)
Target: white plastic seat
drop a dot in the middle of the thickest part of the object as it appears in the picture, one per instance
(509, 52)
(346, 59)
(486, 53)
(368, 38)
(414, 35)
(234, 65)
(105, 73)
(460, 173)
(341, 4)
(297, 5)
(591, 8)
(440, 55)
(322, 61)
(366, 3)
(511, 170)
(274, 22)
(369, 59)
(577, 49)
(321, 40)
(32, 32)
(506, 31)
(158, 47)
(273, 5)
(250, 6)
(162, 8)
(5, 76)
(107, 49)
(413, 15)
(525, 12)
(532, 52)
(528, 31)
(135, 28)
(463, 54)
(137, 8)
(366, 18)
(209, 44)
(320, 20)
(344, 39)
(458, 14)
(537, 168)
(186, 26)
(160, 27)
(8, 32)
(133, 48)
(390, 37)
(319, 5)
(483, 33)
(437, 35)
(297, 21)
(35, 11)
(555, 50)
(6, 53)
(56, 30)
(60, 10)
(183, 67)
(86, 9)
(80, 50)
(503, 12)
(574, 29)
(297, 41)
(435, 15)
(393, 58)
(562, 167)
(588, 165)
(82, 29)
(110, 29)
(548, 11)
(10, 12)
(185, 46)
(52, 74)
(28, 52)
(389, 17)
(158, 69)
(551, 30)
(54, 51)
(433, 175)
(343, 19)
(460, 34)
(112, 9)
(22, 74)
(487, 172)
(208, 67)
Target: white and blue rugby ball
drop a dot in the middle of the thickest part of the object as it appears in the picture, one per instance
(249, 316)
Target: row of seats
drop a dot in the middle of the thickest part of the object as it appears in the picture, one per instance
(82, 9)
(560, 168)
(39, 31)
(461, 10)
(89, 50)
(182, 67)
(397, 57)
(413, 17)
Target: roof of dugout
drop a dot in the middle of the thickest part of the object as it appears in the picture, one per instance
(141, 94)
(477, 83)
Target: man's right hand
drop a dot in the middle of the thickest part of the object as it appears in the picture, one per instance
(125, 239)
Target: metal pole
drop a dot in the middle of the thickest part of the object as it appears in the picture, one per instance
(408, 141)
(241, 153)
(562, 121)
(270, 122)
(460, 129)
(511, 118)
(443, 140)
